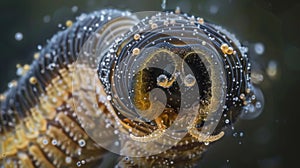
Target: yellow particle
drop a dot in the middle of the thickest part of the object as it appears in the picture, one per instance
(2, 97)
(177, 10)
(36, 55)
(224, 48)
(136, 51)
(201, 20)
(153, 26)
(229, 50)
(26, 67)
(136, 37)
(33, 80)
(18, 65)
(242, 96)
(69, 23)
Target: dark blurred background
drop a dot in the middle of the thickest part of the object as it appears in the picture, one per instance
(268, 141)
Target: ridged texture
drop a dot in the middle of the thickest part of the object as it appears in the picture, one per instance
(38, 125)
(52, 118)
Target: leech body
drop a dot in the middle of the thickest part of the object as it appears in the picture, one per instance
(38, 123)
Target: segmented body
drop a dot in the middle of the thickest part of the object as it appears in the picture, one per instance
(38, 123)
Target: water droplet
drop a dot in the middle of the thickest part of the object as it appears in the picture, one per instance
(227, 121)
(255, 106)
(68, 160)
(162, 80)
(18, 36)
(45, 141)
(39, 47)
(81, 142)
(74, 9)
(54, 142)
(78, 164)
(46, 19)
(83, 161)
(259, 48)
(272, 69)
(189, 80)
(258, 105)
(213, 9)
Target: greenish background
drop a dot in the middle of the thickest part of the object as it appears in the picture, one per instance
(269, 141)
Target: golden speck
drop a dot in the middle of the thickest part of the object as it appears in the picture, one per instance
(33, 80)
(201, 20)
(248, 90)
(26, 67)
(229, 50)
(36, 55)
(18, 65)
(136, 51)
(2, 97)
(136, 37)
(242, 96)
(69, 23)
(224, 48)
(177, 10)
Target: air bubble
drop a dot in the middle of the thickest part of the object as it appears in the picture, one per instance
(81, 142)
(272, 69)
(45, 141)
(255, 106)
(227, 121)
(189, 80)
(259, 48)
(54, 142)
(68, 160)
(116, 143)
(18, 36)
(39, 47)
(108, 97)
(78, 164)
(46, 19)
(74, 9)
(162, 80)
(83, 162)
(213, 9)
